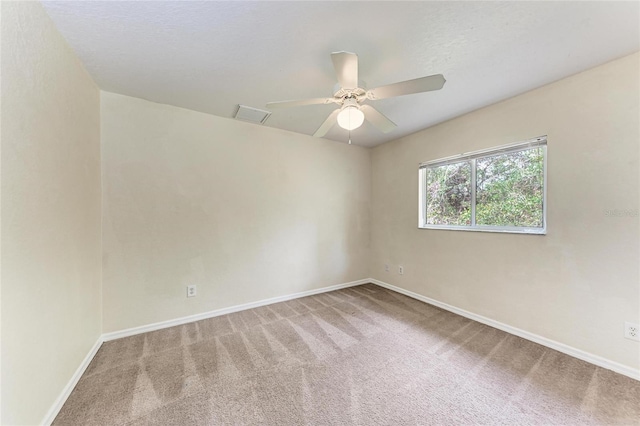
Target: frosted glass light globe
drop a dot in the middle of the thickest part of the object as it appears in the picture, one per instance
(350, 118)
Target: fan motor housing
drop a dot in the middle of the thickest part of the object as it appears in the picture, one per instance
(342, 93)
(349, 102)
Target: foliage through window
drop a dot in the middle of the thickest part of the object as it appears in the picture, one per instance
(501, 189)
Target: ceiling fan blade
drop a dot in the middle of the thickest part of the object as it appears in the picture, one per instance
(346, 66)
(378, 119)
(300, 102)
(327, 125)
(418, 85)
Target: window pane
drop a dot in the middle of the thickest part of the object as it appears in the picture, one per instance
(510, 189)
(449, 194)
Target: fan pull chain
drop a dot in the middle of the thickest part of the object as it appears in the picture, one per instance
(349, 137)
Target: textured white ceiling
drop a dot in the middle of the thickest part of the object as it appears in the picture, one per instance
(211, 56)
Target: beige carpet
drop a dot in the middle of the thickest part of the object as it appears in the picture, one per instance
(364, 355)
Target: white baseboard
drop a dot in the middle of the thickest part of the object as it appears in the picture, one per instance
(197, 317)
(62, 398)
(560, 347)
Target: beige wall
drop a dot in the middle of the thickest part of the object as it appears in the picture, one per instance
(245, 212)
(576, 285)
(51, 307)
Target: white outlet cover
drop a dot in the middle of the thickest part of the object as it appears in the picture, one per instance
(632, 331)
(401, 270)
(191, 290)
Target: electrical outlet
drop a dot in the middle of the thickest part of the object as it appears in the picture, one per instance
(632, 331)
(386, 267)
(401, 270)
(191, 290)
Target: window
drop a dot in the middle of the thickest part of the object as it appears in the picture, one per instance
(499, 190)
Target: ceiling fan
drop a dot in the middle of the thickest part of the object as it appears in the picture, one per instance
(350, 97)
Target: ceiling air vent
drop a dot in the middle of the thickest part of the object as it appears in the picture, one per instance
(252, 115)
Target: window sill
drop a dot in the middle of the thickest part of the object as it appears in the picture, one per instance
(527, 231)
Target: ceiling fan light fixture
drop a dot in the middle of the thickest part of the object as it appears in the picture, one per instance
(350, 118)
(350, 92)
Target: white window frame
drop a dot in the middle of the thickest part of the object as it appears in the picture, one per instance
(540, 142)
